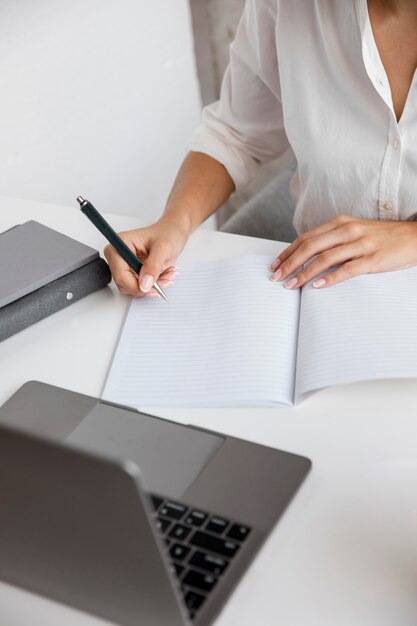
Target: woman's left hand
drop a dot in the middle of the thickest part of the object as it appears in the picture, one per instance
(355, 245)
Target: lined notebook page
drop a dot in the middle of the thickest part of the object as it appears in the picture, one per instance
(361, 329)
(227, 337)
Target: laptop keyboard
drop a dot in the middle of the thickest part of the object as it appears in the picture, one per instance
(200, 546)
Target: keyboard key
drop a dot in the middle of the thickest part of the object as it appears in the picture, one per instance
(196, 518)
(239, 532)
(217, 525)
(214, 544)
(174, 510)
(177, 569)
(179, 532)
(179, 552)
(156, 502)
(194, 600)
(214, 564)
(163, 524)
(205, 582)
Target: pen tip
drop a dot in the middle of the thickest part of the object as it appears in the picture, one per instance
(163, 295)
(80, 200)
(160, 291)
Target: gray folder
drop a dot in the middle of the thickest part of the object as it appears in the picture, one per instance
(33, 255)
(43, 271)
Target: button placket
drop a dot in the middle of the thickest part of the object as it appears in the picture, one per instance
(390, 171)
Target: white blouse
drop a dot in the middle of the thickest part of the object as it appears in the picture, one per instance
(307, 74)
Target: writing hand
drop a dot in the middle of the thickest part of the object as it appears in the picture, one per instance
(355, 245)
(158, 247)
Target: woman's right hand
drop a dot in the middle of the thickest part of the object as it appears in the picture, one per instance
(202, 185)
(158, 247)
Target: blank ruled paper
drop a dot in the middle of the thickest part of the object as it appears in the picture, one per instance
(362, 329)
(227, 337)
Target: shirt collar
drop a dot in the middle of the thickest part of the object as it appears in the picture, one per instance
(371, 58)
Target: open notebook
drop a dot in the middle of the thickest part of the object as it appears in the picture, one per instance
(231, 337)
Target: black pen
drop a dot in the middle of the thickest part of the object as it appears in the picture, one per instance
(113, 238)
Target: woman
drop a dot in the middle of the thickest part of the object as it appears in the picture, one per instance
(336, 81)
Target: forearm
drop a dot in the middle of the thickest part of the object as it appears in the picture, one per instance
(202, 185)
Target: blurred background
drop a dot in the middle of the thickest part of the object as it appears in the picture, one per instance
(99, 98)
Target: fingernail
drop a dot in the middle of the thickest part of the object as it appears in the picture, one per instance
(319, 283)
(276, 275)
(152, 294)
(146, 282)
(275, 265)
(291, 283)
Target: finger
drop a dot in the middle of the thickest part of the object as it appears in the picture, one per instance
(139, 294)
(297, 242)
(169, 273)
(164, 284)
(132, 289)
(129, 286)
(165, 281)
(125, 292)
(315, 246)
(349, 269)
(325, 261)
(126, 281)
(153, 266)
(338, 221)
(122, 274)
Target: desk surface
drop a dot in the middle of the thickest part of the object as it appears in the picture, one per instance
(345, 551)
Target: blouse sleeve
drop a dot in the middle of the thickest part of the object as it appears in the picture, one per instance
(245, 127)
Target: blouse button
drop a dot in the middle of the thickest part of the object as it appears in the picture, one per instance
(396, 144)
(387, 206)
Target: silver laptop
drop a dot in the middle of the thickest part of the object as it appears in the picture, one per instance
(133, 518)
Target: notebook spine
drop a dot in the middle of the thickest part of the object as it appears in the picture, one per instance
(55, 296)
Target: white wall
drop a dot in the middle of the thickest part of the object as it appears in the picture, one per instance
(98, 98)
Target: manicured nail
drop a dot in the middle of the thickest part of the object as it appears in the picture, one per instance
(276, 275)
(146, 283)
(319, 283)
(291, 283)
(275, 265)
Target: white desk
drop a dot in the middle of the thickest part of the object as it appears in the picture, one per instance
(345, 552)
